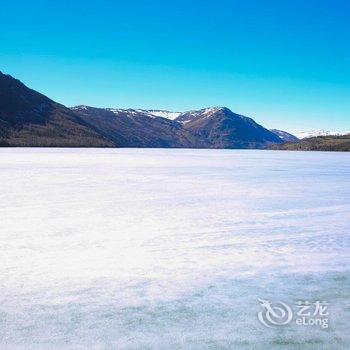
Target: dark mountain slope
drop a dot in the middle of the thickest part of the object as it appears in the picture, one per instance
(224, 129)
(28, 118)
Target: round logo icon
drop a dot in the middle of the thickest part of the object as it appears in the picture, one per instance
(277, 314)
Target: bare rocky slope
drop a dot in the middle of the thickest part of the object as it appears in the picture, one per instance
(28, 118)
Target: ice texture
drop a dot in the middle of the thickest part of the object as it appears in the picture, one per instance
(171, 248)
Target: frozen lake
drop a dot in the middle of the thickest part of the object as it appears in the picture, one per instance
(171, 249)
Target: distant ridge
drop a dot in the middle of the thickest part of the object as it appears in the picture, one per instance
(285, 136)
(316, 133)
(321, 143)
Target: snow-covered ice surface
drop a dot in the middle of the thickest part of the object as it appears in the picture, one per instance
(171, 249)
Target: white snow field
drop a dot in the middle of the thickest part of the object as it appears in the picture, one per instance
(170, 248)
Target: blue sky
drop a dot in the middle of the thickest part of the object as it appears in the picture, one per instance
(284, 63)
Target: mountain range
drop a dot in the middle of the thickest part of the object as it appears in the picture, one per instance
(28, 118)
(215, 127)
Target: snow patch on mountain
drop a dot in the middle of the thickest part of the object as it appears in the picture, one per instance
(79, 108)
(120, 110)
(164, 114)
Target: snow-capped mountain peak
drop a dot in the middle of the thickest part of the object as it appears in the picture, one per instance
(158, 113)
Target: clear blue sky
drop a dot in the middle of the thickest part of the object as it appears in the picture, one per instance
(285, 63)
